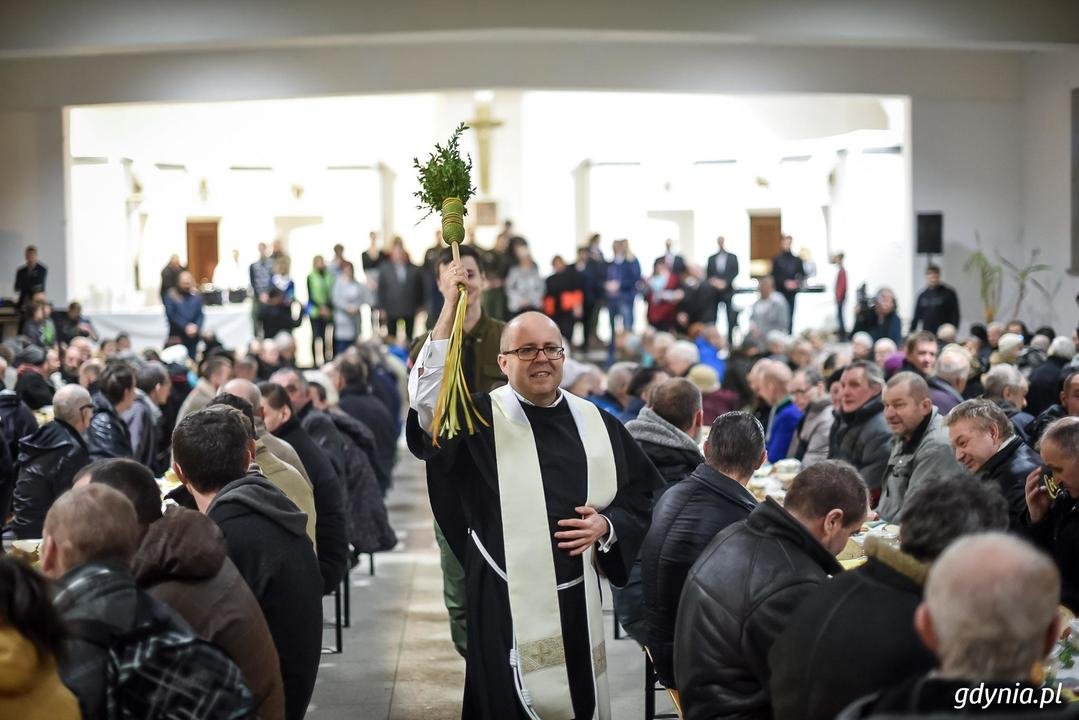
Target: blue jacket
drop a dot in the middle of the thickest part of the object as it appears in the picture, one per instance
(781, 429)
(628, 274)
(182, 310)
(710, 356)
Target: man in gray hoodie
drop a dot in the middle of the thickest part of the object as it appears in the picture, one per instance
(265, 536)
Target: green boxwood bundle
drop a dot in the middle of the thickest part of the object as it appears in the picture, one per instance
(445, 187)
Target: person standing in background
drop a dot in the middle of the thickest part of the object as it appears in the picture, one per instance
(936, 305)
(338, 260)
(563, 299)
(183, 310)
(349, 297)
(400, 291)
(496, 266)
(230, 275)
(840, 294)
(432, 295)
(592, 273)
(372, 260)
(721, 271)
(320, 309)
(524, 285)
(623, 279)
(259, 273)
(788, 272)
(30, 278)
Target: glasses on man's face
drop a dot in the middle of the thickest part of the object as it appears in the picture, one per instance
(552, 352)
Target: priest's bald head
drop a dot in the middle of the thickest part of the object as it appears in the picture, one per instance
(532, 357)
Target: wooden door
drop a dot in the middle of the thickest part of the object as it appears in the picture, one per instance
(765, 232)
(202, 249)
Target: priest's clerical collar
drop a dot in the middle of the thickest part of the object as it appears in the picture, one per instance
(526, 401)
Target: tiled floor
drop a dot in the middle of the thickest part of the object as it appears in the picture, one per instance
(398, 662)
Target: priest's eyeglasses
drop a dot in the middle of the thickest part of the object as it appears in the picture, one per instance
(553, 352)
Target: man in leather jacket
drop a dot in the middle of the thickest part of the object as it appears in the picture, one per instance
(747, 583)
(50, 458)
(860, 434)
(687, 517)
(108, 435)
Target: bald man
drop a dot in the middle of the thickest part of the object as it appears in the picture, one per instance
(550, 485)
(990, 616)
(278, 448)
(920, 448)
(50, 458)
(772, 380)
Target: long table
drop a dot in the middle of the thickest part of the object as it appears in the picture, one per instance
(147, 326)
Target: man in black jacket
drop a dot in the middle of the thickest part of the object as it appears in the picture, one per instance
(860, 434)
(1067, 405)
(326, 485)
(936, 305)
(91, 534)
(1045, 379)
(50, 458)
(814, 673)
(316, 423)
(30, 278)
(721, 272)
(666, 431)
(108, 435)
(986, 443)
(33, 386)
(990, 616)
(687, 517)
(788, 272)
(400, 291)
(266, 539)
(741, 592)
(356, 398)
(1052, 523)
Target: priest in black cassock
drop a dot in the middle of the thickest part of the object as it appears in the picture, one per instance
(550, 493)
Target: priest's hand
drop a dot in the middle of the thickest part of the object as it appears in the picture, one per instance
(582, 532)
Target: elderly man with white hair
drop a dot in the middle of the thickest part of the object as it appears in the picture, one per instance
(884, 349)
(1007, 387)
(861, 346)
(949, 381)
(680, 357)
(616, 397)
(990, 617)
(1045, 379)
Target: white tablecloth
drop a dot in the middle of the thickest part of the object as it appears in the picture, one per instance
(147, 326)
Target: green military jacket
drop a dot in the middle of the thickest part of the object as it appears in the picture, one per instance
(480, 354)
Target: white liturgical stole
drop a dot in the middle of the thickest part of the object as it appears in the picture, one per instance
(539, 655)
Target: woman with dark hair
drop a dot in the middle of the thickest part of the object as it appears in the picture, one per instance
(31, 639)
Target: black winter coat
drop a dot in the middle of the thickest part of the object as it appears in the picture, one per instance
(815, 673)
(329, 494)
(1046, 418)
(863, 439)
(684, 520)
(266, 538)
(361, 404)
(1058, 535)
(107, 436)
(738, 597)
(1045, 381)
(369, 527)
(34, 390)
(16, 421)
(1008, 469)
(48, 461)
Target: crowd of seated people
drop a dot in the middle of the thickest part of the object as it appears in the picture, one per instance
(967, 443)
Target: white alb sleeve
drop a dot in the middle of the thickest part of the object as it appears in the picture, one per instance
(425, 380)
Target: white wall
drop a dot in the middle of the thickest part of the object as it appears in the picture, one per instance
(1046, 145)
(966, 164)
(989, 129)
(32, 196)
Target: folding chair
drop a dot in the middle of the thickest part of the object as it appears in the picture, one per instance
(652, 687)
